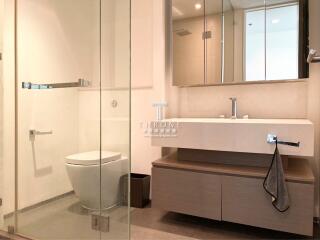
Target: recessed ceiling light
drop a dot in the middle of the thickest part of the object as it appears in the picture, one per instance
(275, 21)
(198, 6)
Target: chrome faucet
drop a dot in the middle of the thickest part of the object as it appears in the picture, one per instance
(234, 107)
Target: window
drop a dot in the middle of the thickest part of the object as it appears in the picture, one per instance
(272, 54)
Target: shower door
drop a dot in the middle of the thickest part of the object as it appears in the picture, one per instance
(72, 119)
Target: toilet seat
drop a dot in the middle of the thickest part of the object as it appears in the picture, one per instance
(92, 158)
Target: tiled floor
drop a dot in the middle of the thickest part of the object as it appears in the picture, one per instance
(153, 224)
(64, 219)
(6, 236)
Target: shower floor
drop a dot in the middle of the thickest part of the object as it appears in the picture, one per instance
(64, 218)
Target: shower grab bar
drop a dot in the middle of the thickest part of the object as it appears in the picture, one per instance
(272, 139)
(80, 83)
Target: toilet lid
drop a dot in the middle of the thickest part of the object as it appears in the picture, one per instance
(93, 158)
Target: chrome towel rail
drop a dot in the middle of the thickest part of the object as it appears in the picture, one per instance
(80, 83)
(272, 139)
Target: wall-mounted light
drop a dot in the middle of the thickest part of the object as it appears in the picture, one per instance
(198, 6)
(275, 21)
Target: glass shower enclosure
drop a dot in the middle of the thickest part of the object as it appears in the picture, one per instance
(72, 119)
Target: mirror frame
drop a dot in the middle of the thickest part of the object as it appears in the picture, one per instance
(303, 50)
(303, 39)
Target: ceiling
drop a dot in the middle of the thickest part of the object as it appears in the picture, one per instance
(182, 9)
(282, 19)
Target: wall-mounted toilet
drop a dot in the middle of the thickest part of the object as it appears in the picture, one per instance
(84, 173)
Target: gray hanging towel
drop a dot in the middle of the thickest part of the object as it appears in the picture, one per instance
(275, 183)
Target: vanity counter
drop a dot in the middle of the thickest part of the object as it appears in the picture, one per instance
(298, 170)
(238, 135)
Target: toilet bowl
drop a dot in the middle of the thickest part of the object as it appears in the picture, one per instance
(84, 174)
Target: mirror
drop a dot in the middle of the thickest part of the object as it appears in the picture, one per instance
(213, 38)
(238, 41)
(197, 34)
(188, 46)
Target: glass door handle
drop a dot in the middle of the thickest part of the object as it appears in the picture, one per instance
(80, 83)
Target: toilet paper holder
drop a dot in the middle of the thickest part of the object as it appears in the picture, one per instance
(33, 133)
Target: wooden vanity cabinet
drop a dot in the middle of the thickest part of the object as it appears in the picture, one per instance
(197, 194)
(233, 193)
(245, 201)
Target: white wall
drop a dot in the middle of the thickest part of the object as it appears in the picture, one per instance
(146, 11)
(115, 82)
(283, 100)
(115, 125)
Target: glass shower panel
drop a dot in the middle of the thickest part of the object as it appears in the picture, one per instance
(115, 115)
(61, 160)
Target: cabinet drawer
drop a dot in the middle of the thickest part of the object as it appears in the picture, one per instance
(246, 202)
(187, 192)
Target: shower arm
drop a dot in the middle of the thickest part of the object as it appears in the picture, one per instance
(80, 83)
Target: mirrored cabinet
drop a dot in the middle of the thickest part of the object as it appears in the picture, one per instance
(188, 27)
(237, 41)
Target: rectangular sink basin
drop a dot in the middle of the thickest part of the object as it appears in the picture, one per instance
(240, 135)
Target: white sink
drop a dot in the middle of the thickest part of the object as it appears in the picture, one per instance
(240, 135)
